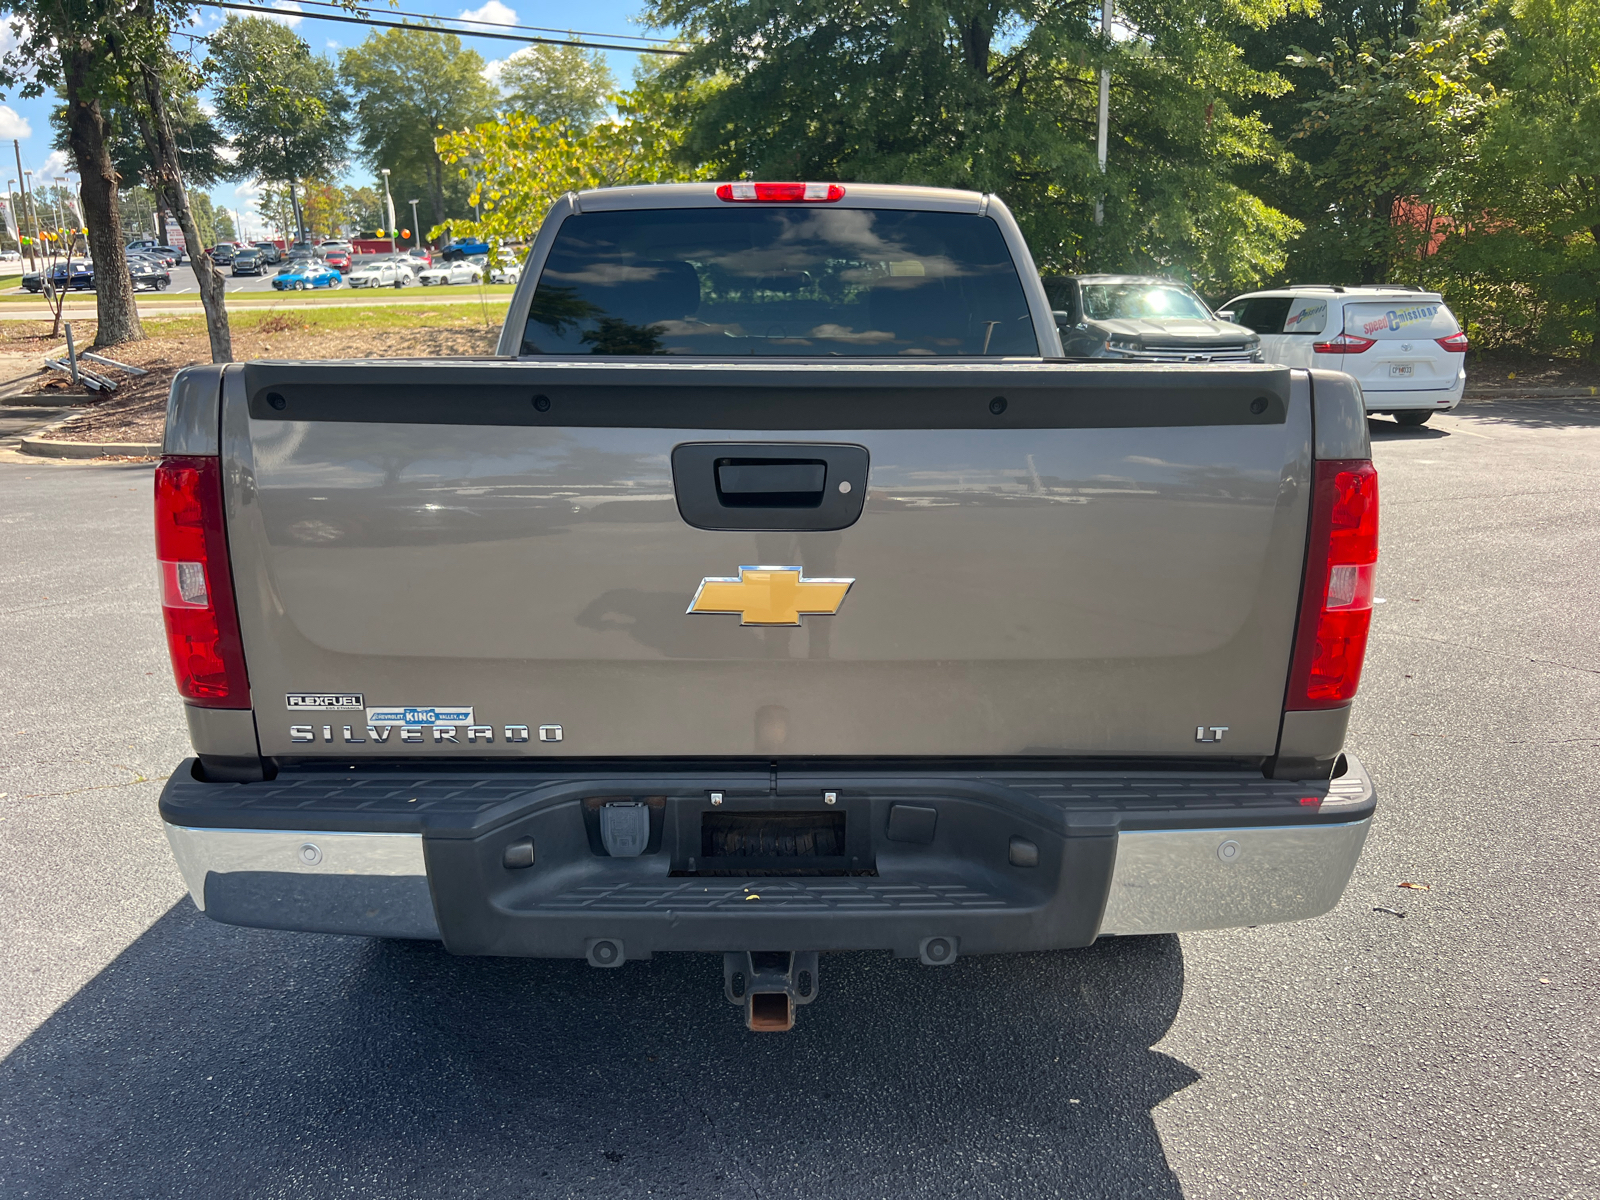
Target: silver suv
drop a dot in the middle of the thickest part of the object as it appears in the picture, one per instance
(1403, 346)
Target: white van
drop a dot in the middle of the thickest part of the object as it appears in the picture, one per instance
(1404, 347)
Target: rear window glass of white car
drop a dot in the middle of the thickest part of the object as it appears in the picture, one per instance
(1395, 319)
(780, 282)
(1281, 314)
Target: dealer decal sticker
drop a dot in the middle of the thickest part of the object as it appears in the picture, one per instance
(421, 714)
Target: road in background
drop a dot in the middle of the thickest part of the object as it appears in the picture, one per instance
(1453, 1050)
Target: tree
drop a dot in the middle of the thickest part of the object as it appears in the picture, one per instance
(213, 222)
(282, 104)
(410, 86)
(1521, 252)
(81, 50)
(1001, 96)
(276, 211)
(363, 208)
(324, 208)
(558, 85)
(519, 167)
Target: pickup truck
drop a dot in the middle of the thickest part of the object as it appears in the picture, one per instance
(778, 588)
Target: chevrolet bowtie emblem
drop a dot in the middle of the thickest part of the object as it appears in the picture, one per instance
(770, 596)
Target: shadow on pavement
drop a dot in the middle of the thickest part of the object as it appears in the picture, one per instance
(1531, 413)
(1385, 429)
(211, 1061)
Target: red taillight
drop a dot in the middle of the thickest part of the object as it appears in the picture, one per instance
(1345, 343)
(1336, 604)
(197, 584)
(1456, 343)
(815, 193)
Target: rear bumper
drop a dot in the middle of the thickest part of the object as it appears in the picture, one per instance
(1411, 399)
(412, 856)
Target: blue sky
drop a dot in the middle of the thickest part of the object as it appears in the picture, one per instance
(28, 121)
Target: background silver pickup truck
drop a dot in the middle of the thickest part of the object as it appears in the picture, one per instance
(778, 589)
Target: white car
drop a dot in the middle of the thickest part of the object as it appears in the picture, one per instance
(385, 273)
(460, 271)
(510, 273)
(1404, 347)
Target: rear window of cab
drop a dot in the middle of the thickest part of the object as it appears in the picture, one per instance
(781, 281)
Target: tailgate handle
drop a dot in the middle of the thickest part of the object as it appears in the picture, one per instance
(770, 482)
(798, 486)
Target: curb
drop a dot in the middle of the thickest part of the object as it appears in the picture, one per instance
(40, 448)
(1583, 392)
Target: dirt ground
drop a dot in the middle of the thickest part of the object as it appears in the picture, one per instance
(136, 411)
(1500, 371)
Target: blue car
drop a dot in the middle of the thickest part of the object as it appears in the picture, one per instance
(299, 277)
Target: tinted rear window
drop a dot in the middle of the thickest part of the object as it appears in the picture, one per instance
(790, 281)
(1281, 314)
(1396, 319)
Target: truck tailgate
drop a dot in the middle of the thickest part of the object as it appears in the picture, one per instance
(1052, 559)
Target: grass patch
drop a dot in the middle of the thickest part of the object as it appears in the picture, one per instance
(343, 319)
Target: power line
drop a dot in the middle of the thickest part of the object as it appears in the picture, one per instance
(626, 37)
(503, 37)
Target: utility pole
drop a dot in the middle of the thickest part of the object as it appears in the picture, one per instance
(416, 229)
(388, 205)
(1105, 112)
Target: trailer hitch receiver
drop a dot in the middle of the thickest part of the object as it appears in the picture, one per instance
(769, 985)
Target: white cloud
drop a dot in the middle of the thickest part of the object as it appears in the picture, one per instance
(13, 124)
(57, 164)
(492, 13)
(491, 70)
(332, 45)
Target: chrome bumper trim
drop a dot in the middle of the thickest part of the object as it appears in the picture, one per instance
(1175, 881)
(362, 883)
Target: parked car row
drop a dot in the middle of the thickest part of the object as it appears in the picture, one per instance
(77, 274)
(1402, 345)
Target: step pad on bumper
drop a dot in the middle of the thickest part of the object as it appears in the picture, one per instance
(788, 894)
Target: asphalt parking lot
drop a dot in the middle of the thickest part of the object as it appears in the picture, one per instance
(1434, 1043)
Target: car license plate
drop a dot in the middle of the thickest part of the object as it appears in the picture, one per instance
(1401, 370)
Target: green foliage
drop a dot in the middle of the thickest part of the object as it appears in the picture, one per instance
(1002, 97)
(200, 143)
(1523, 195)
(282, 104)
(518, 167)
(558, 85)
(411, 85)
